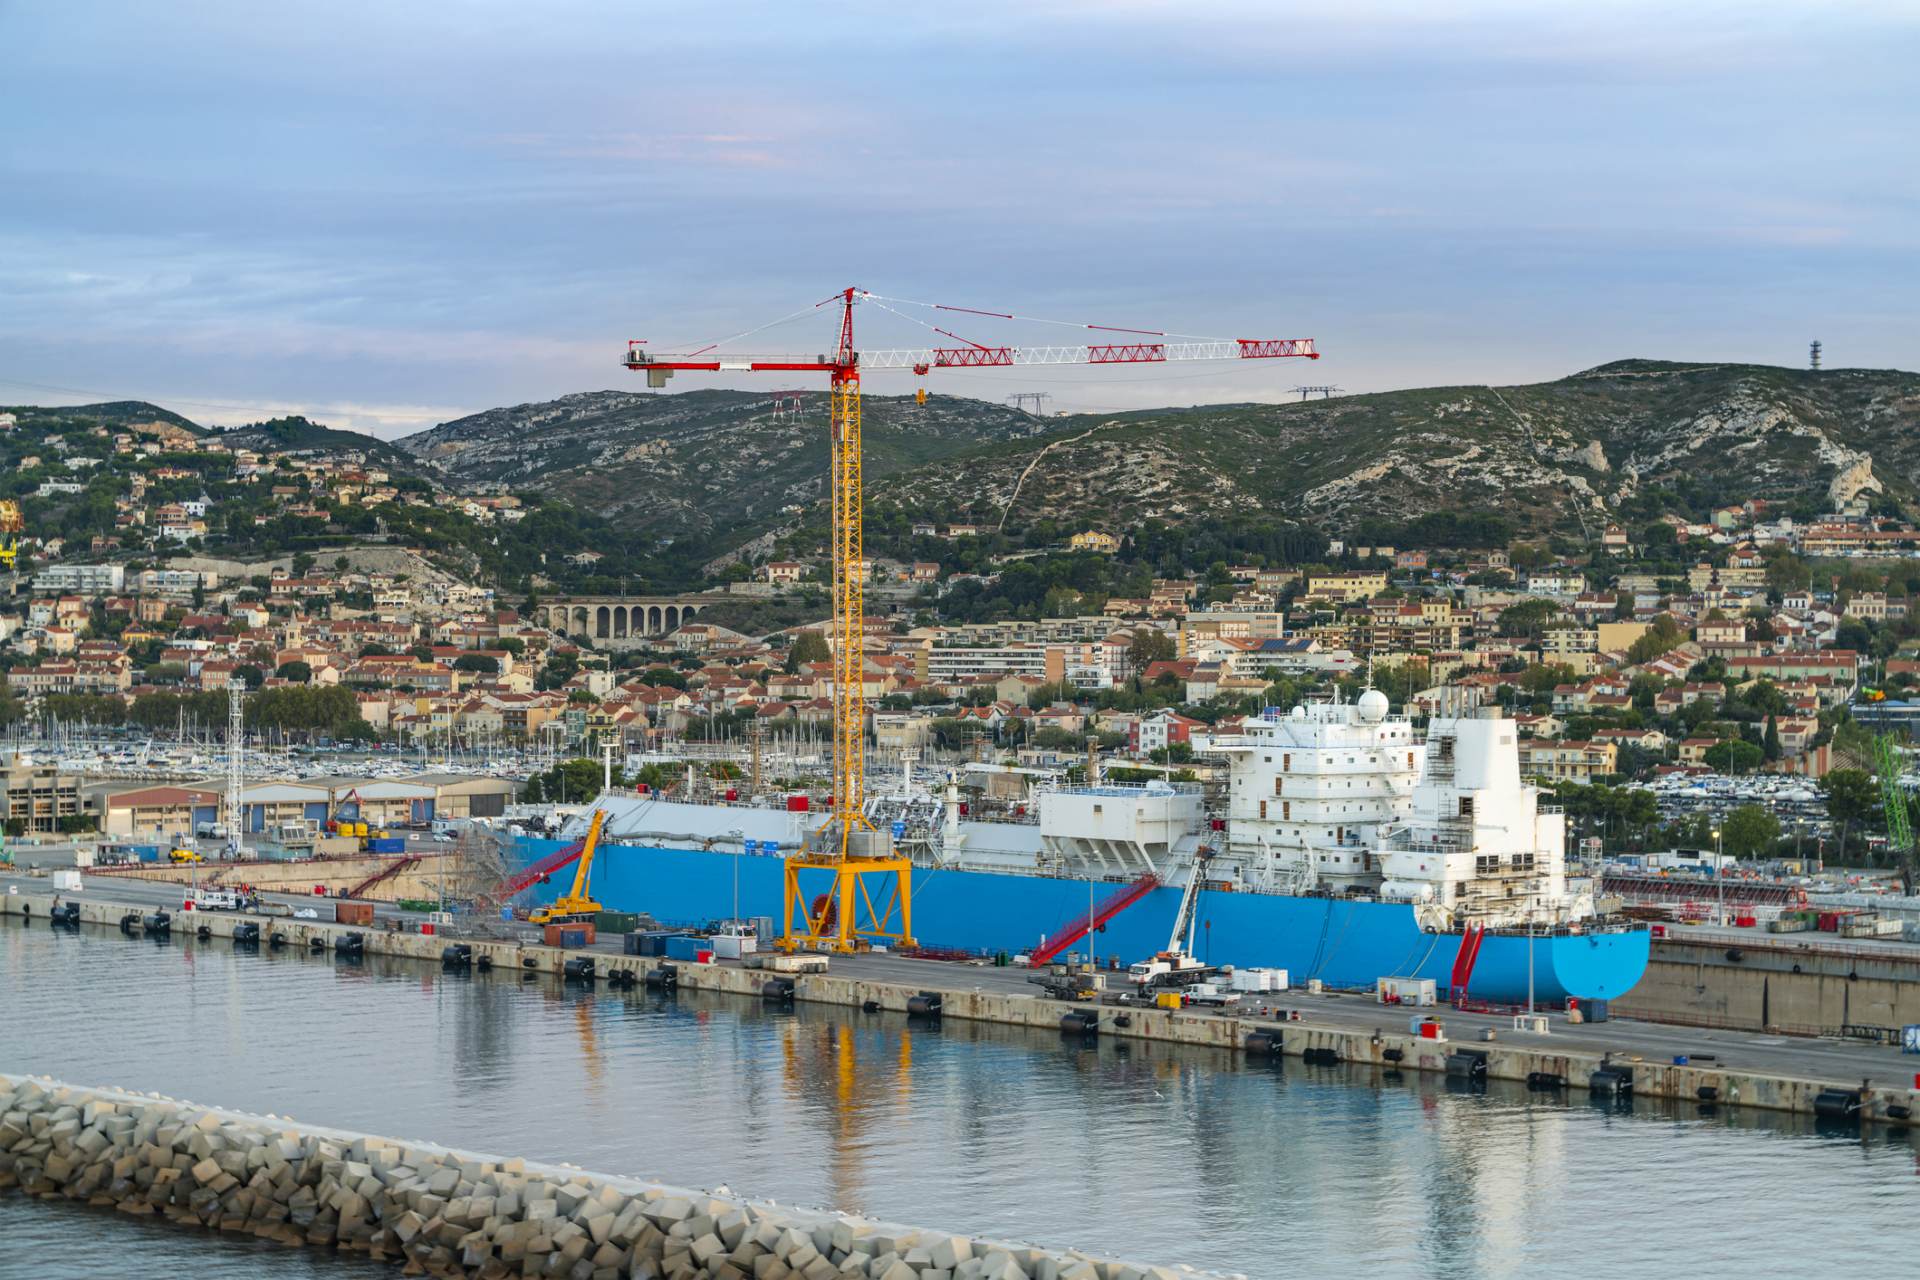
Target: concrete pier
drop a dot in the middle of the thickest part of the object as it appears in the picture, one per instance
(1867, 1084)
(460, 1213)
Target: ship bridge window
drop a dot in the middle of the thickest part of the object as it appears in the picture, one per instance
(1466, 806)
(1286, 762)
(1096, 808)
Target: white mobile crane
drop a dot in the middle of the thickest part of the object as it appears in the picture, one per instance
(1176, 965)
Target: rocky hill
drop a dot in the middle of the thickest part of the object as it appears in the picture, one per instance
(1625, 440)
(703, 464)
(296, 436)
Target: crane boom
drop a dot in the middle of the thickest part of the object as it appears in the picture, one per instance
(982, 357)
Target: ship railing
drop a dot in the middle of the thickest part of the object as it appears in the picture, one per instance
(1126, 790)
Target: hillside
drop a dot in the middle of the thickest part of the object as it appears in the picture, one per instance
(112, 413)
(713, 466)
(296, 436)
(1623, 441)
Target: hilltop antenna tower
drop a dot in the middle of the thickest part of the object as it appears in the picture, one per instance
(236, 745)
(1813, 355)
(1325, 393)
(1039, 399)
(786, 406)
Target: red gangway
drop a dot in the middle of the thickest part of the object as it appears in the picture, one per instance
(535, 872)
(1464, 959)
(385, 873)
(1080, 926)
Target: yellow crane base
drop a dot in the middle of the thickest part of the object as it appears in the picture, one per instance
(847, 912)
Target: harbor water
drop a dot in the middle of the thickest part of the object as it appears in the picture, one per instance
(1138, 1150)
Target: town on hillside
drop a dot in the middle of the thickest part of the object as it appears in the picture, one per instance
(1663, 678)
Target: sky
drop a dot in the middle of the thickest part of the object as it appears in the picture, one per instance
(388, 215)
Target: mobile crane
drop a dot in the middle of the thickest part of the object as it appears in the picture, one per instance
(1175, 966)
(576, 905)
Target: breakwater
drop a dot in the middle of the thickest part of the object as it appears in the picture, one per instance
(449, 1212)
(1367, 1035)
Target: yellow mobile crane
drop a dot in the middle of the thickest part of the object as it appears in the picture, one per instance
(575, 906)
(11, 523)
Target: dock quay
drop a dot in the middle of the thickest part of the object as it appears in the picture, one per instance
(459, 1213)
(1852, 1081)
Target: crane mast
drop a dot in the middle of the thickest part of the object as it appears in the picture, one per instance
(869, 892)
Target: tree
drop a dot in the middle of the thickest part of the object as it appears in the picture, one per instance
(1749, 831)
(294, 671)
(1528, 618)
(1771, 746)
(1149, 644)
(808, 646)
(1851, 797)
(1734, 756)
(573, 781)
(302, 565)
(250, 673)
(483, 663)
(1662, 634)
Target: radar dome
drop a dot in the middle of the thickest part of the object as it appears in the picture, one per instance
(1373, 706)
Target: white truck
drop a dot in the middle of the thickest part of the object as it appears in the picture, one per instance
(1212, 993)
(217, 900)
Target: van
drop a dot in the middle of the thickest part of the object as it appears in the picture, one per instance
(217, 900)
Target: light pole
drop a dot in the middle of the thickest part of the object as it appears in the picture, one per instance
(1719, 879)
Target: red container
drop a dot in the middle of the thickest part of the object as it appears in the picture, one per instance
(1429, 1031)
(703, 957)
(1743, 922)
(427, 927)
(732, 794)
(798, 804)
(350, 912)
(1659, 931)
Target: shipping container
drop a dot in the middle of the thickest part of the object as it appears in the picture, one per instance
(732, 946)
(350, 912)
(1594, 1010)
(616, 921)
(687, 946)
(1414, 991)
(1259, 980)
(569, 935)
(390, 844)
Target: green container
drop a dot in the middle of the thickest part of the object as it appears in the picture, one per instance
(616, 921)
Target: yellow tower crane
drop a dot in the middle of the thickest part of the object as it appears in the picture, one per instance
(869, 891)
(11, 524)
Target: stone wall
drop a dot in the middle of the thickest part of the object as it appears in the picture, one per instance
(1776, 983)
(456, 1213)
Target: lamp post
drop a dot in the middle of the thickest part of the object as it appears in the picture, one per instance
(1719, 879)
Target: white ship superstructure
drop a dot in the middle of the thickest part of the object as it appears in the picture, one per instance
(1479, 843)
(1311, 790)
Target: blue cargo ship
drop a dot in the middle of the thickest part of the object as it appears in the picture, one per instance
(1342, 941)
(1343, 847)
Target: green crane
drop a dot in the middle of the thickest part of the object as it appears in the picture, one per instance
(1888, 762)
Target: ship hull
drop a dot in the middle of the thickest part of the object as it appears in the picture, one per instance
(1342, 943)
